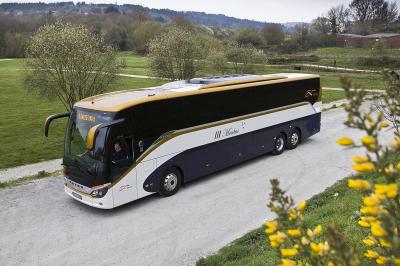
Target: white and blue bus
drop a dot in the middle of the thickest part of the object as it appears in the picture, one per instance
(122, 146)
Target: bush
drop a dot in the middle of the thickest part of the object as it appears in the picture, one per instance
(381, 61)
(287, 59)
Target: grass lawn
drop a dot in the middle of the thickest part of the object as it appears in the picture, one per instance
(22, 117)
(331, 96)
(345, 56)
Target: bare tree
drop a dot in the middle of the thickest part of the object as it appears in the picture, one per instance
(339, 19)
(68, 63)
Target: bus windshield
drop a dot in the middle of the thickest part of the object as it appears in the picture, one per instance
(75, 153)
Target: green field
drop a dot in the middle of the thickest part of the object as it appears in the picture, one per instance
(345, 56)
(23, 113)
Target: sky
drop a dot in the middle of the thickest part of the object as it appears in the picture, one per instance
(261, 10)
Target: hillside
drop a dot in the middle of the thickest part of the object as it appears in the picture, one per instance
(162, 15)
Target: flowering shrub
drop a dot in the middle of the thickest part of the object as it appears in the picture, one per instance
(380, 211)
(298, 244)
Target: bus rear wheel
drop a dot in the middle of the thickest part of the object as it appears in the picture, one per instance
(294, 139)
(170, 182)
(279, 144)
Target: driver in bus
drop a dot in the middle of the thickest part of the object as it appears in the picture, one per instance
(118, 154)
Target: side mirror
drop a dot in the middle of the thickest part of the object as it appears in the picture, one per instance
(91, 137)
(50, 119)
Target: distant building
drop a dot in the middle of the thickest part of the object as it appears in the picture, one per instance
(391, 40)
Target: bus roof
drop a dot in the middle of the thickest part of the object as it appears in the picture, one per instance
(120, 100)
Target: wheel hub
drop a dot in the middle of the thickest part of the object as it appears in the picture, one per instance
(170, 182)
(294, 139)
(279, 144)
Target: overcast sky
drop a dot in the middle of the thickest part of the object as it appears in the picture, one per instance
(262, 10)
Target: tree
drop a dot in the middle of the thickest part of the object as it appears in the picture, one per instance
(273, 34)
(320, 25)
(374, 15)
(141, 34)
(182, 22)
(172, 54)
(244, 58)
(249, 37)
(68, 63)
(339, 19)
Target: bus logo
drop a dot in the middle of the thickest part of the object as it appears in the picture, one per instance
(311, 93)
(86, 117)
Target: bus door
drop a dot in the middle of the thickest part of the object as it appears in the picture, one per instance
(122, 162)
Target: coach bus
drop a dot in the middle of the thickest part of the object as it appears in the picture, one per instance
(122, 146)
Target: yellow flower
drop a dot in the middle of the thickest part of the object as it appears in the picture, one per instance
(275, 244)
(396, 261)
(384, 243)
(277, 238)
(294, 232)
(369, 242)
(373, 211)
(301, 205)
(314, 247)
(377, 230)
(382, 260)
(398, 167)
(287, 262)
(363, 223)
(292, 214)
(360, 159)
(364, 167)
(371, 254)
(372, 200)
(272, 226)
(288, 252)
(389, 190)
(368, 140)
(320, 249)
(345, 141)
(384, 124)
(359, 184)
(318, 230)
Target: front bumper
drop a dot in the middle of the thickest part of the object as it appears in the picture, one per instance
(105, 202)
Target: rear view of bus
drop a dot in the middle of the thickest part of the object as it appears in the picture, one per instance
(123, 146)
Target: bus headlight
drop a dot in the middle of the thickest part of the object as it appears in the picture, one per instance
(99, 193)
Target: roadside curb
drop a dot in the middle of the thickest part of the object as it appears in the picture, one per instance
(18, 172)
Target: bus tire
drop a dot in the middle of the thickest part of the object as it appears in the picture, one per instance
(294, 139)
(279, 144)
(170, 182)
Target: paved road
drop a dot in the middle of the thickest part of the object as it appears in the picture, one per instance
(40, 225)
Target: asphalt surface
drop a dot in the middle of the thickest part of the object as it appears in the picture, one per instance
(41, 225)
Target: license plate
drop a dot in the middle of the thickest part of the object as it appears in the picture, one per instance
(76, 195)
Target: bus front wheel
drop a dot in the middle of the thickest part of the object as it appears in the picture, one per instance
(170, 182)
(279, 144)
